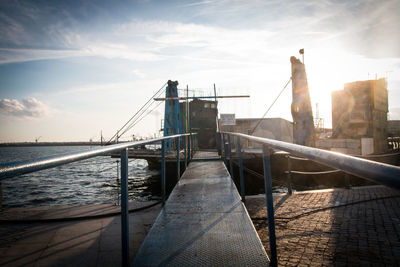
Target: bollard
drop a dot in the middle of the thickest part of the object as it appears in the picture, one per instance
(242, 188)
(230, 155)
(124, 208)
(289, 175)
(270, 205)
(178, 162)
(163, 171)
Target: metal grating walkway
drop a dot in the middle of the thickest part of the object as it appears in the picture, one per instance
(203, 223)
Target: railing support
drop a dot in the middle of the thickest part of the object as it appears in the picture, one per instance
(242, 186)
(178, 162)
(124, 208)
(224, 144)
(118, 182)
(185, 146)
(163, 193)
(230, 155)
(270, 205)
(289, 175)
(189, 144)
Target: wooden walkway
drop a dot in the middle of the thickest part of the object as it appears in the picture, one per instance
(203, 222)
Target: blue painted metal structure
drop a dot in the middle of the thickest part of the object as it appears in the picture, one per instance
(172, 114)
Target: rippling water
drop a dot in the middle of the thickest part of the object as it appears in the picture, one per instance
(91, 181)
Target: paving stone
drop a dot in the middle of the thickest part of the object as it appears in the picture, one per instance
(350, 235)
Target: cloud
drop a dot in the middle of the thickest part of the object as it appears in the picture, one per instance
(26, 109)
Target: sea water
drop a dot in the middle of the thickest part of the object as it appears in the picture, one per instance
(91, 181)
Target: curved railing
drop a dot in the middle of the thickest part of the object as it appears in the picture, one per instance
(10, 170)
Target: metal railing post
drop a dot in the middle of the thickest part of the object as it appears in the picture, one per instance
(217, 141)
(189, 144)
(270, 205)
(178, 162)
(124, 208)
(230, 155)
(185, 145)
(224, 144)
(163, 193)
(242, 186)
(289, 175)
(118, 182)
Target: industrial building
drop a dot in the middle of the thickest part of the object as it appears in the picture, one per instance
(359, 116)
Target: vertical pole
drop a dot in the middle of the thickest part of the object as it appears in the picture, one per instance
(190, 143)
(270, 205)
(223, 143)
(230, 155)
(163, 171)
(178, 162)
(242, 188)
(289, 175)
(124, 208)
(185, 146)
(218, 143)
(118, 182)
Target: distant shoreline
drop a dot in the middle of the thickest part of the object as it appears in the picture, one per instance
(22, 144)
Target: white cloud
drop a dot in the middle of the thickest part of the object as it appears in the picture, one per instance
(26, 109)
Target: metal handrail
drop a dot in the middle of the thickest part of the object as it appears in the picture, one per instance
(371, 170)
(9, 170)
(13, 169)
(379, 172)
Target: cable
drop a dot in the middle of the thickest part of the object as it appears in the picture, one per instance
(325, 208)
(258, 123)
(148, 101)
(80, 218)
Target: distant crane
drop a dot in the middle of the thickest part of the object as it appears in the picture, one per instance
(37, 139)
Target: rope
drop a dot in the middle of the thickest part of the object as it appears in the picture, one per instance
(297, 158)
(323, 209)
(259, 175)
(258, 123)
(313, 173)
(80, 218)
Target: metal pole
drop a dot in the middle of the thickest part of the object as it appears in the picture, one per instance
(178, 162)
(270, 205)
(242, 188)
(289, 175)
(230, 155)
(163, 171)
(224, 144)
(185, 145)
(189, 144)
(118, 182)
(124, 208)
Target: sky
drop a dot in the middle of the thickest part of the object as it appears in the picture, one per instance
(71, 70)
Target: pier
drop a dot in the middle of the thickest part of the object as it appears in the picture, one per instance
(204, 222)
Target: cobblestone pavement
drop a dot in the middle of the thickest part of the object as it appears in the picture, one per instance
(337, 227)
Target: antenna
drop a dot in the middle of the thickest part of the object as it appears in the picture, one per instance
(301, 51)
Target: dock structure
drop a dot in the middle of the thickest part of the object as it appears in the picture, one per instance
(204, 222)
